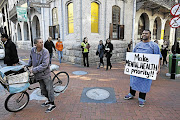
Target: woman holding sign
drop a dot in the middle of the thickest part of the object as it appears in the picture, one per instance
(143, 85)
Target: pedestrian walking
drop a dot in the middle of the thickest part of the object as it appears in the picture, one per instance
(177, 48)
(85, 50)
(156, 41)
(49, 45)
(59, 47)
(100, 52)
(11, 56)
(129, 48)
(164, 50)
(108, 52)
(142, 85)
(39, 60)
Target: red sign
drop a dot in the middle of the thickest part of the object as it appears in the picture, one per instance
(175, 10)
(175, 22)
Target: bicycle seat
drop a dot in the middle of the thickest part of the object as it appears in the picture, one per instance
(54, 67)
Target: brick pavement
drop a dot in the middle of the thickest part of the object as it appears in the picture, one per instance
(163, 101)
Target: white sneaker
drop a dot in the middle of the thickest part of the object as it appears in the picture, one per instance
(51, 108)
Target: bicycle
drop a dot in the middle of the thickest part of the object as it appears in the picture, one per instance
(17, 101)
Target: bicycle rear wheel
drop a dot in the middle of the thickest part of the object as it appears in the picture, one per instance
(16, 102)
(60, 82)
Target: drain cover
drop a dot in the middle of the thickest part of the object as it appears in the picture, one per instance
(79, 72)
(98, 95)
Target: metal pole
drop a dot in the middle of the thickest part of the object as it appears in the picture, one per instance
(173, 66)
(105, 20)
(133, 27)
(30, 25)
(62, 20)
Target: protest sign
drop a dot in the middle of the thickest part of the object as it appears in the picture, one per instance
(142, 65)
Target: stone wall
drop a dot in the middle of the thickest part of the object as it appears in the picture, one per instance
(73, 54)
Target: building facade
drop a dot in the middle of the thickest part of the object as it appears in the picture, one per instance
(5, 23)
(72, 20)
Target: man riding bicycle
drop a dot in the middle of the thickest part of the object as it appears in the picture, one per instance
(39, 59)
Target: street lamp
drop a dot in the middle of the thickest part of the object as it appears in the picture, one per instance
(173, 67)
(29, 16)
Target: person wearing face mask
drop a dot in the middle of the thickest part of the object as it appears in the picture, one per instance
(108, 52)
(85, 50)
(143, 85)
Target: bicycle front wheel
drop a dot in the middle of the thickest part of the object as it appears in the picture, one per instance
(16, 102)
(60, 82)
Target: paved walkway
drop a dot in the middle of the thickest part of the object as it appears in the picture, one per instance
(163, 101)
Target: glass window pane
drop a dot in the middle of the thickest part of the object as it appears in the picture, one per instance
(94, 17)
(70, 18)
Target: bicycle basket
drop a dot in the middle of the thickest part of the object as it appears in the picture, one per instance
(17, 78)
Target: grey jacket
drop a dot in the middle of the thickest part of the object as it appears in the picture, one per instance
(40, 63)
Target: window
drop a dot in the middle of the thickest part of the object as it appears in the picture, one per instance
(70, 18)
(54, 30)
(116, 30)
(55, 16)
(94, 17)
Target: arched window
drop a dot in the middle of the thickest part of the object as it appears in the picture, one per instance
(70, 18)
(94, 17)
(19, 32)
(55, 16)
(116, 30)
(115, 14)
(26, 32)
(54, 29)
(35, 27)
(143, 24)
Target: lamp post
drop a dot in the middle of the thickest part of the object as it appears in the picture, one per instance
(29, 17)
(173, 67)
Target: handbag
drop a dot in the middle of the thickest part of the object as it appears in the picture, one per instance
(97, 53)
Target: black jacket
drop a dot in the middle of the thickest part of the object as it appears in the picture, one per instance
(49, 45)
(110, 46)
(11, 56)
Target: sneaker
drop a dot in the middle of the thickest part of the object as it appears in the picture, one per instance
(141, 104)
(51, 108)
(128, 97)
(47, 103)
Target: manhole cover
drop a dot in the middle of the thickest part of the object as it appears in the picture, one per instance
(79, 72)
(98, 94)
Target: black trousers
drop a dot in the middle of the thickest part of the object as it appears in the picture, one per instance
(164, 60)
(85, 56)
(141, 95)
(108, 60)
(101, 60)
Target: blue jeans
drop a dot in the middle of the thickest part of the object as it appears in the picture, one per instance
(60, 55)
(50, 54)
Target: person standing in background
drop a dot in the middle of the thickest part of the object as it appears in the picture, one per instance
(11, 56)
(129, 48)
(100, 51)
(85, 50)
(59, 47)
(108, 52)
(164, 50)
(49, 45)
